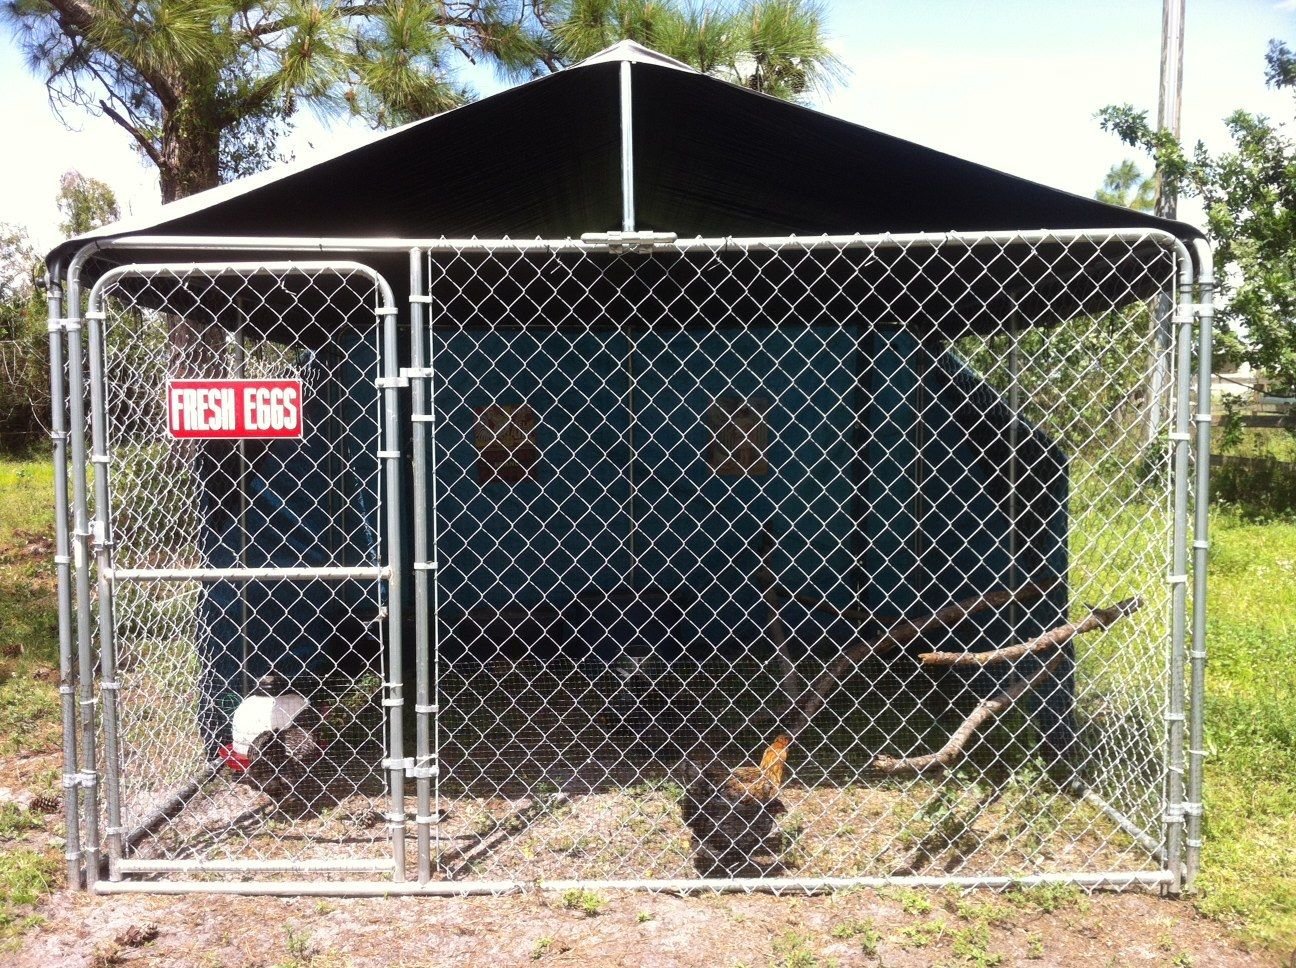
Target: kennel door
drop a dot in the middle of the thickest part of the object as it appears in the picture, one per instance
(246, 494)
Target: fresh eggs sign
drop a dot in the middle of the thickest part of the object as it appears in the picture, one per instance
(234, 409)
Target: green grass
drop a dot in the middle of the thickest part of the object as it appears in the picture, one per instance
(1249, 860)
(29, 715)
(28, 609)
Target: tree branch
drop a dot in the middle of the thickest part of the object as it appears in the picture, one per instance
(81, 18)
(954, 748)
(147, 146)
(895, 636)
(1098, 618)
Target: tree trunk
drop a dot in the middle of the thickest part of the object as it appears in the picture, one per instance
(190, 153)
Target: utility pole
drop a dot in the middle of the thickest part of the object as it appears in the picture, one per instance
(1171, 97)
(1168, 105)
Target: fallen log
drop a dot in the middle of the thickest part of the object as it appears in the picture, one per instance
(953, 750)
(1098, 618)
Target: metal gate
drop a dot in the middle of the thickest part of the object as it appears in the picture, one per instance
(766, 563)
(244, 515)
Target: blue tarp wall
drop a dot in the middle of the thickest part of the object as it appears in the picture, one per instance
(886, 482)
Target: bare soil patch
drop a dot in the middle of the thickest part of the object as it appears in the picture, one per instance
(852, 928)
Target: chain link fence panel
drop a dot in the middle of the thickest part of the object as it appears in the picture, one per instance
(735, 563)
(692, 500)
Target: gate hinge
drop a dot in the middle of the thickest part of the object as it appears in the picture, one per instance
(628, 241)
(416, 372)
(391, 382)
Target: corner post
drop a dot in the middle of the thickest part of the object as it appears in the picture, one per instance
(63, 571)
(1201, 554)
(88, 771)
(393, 700)
(1178, 577)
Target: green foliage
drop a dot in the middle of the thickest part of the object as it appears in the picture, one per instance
(25, 875)
(777, 47)
(1249, 858)
(1126, 186)
(792, 950)
(85, 204)
(1255, 479)
(1249, 194)
(1045, 898)
(205, 88)
(1078, 382)
(972, 945)
(1231, 426)
(24, 344)
(861, 930)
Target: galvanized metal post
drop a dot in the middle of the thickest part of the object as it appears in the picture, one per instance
(393, 701)
(423, 420)
(88, 777)
(108, 685)
(63, 571)
(628, 225)
(1178, 578)
(1201, 554)
(627, 151)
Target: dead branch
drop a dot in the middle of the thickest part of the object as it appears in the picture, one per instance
(985, 711)
(777, 631)
(1098, 618)
(860, 616)
(895, 636)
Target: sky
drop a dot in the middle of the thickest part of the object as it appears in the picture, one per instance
(1013, 84)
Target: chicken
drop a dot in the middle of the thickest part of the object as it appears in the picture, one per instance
(731, 812)
(277, 730)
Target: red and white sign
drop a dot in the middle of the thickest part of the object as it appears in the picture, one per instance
(234, 409)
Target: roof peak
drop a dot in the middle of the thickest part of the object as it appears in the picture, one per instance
(635, 53)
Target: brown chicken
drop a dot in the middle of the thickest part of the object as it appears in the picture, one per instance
(731, 812)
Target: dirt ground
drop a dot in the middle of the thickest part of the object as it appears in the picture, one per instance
(857, 927)
(854, 928)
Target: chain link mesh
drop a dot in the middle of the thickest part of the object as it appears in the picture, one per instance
(680, 503)
(293, 775)
(679, 494)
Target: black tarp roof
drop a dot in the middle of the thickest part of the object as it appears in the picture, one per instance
(711, 159)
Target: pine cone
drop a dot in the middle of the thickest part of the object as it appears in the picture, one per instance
(46, 803)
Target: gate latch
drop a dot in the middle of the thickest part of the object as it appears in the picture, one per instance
(617, 242)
